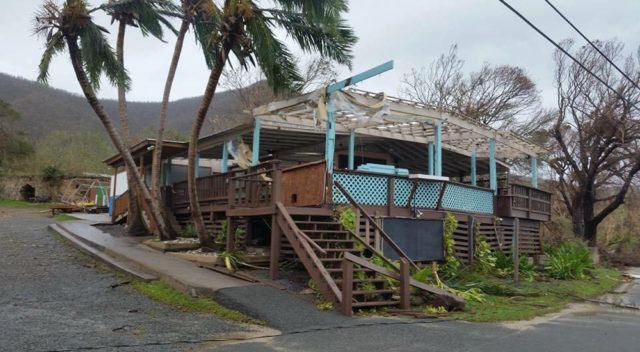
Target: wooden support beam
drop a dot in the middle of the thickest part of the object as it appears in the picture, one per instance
(255, 147)
(225, 158)
(276, 243)
(493, 176)
(534, 172)
(352, 147)
(516, 250)
(473, 168)
(405, 282)
(431, 162)
(347, 287)
(438, 146)
(330, 140)
(360, 77)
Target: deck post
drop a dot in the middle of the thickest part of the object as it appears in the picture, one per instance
(197, 164)
(516, 250)
(405, 290)
(275, 248)
(352, 147)
(438, 157)
(347, 287)
(430, 146)
(225, 158)
(471, 223)
(534, 172)
(330, 143)
(474, 182)
(493, 177)
(255, 147)
(231, 240)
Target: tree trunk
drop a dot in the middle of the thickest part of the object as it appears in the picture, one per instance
(134, 219)
(157, 152)
(76, 61)
(206, 241)
(590, 232)
(577, 218)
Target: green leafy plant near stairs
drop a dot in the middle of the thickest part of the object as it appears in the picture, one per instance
(222, 236)
(189, 231)
(347, 219)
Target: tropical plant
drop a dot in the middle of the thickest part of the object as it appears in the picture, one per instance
(485, 259)
(189, 231)
(348, 219)
(504, 266)
(222, 236)
(570, 260)
(247, 31)
(149, 16)
(71, 27)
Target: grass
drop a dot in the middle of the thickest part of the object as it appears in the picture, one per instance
(10, 203)
(64, 217)
(508, 301)
(161, 291)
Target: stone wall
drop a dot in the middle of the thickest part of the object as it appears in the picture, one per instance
(47, 190)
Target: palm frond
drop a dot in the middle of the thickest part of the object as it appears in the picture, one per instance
(332, 38)
(99, 58)
(54, 45)
(148, 15)
(315, 10)
(206, 23)
(273, 57)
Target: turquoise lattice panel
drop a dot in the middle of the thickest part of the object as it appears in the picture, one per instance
(427, 194)
(365, 189)
(458, 197)
(401, 191)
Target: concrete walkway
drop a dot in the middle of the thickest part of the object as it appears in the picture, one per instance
(181, 274)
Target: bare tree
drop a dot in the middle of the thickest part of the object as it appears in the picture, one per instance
(595, 134)
(498, 96)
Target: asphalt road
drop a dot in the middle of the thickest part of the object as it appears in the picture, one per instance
(53, 298)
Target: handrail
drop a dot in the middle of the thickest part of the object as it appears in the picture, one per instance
(393, 245)
(373, 250)
(396, 276)
(295, 228)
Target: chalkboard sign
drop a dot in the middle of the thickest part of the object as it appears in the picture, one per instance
(421, 240)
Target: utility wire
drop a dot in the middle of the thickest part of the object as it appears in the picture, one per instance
(591, 43)
(567, 53)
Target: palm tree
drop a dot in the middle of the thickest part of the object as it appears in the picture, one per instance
(246, 30)
(195, 14)
(149, 16)
(71, 27)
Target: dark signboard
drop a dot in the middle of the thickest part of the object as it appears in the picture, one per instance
(421, 240)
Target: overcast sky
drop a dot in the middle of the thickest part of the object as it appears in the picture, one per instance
(411, 32)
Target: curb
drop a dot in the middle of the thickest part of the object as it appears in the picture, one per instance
(98, 254)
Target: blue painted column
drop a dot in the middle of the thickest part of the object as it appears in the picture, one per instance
(330, 143)
(473, 168)
(225, 158)
(352, 147)
(493, 177)
(197, 164)
(534, 172)
(430, 146)
(256, 142)
(167, 173)
(438, 157)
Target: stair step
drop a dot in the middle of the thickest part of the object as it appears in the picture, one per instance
(307, 231)
(318, 222)
(375, 304)
(371, 292)
(339, 270)
(350, 250)
(331, 240)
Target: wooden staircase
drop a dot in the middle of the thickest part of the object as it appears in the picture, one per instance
(338, 261)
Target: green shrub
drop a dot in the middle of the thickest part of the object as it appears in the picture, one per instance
(485, 259)
(189, 231)
(570, 260)
(348, 219)
(239, 234)
(52, 173)
(504, 266)
(222, 236)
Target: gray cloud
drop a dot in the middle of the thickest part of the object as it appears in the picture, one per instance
(410, 32)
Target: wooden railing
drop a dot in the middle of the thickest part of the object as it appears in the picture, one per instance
(305, 249)
(524, 202)
(402, 276)
(120, 205)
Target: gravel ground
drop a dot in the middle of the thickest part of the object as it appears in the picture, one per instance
(53, 298)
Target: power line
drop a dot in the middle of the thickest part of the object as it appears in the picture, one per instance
(592, 45)
(567, 53)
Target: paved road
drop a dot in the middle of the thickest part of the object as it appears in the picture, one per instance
(52, 298)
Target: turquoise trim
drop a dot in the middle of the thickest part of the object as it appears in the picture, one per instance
(330, 143)
(473, 168)
(256, 142)
(534, 172)
(197, 164)
(360, 77)
(493, 177)
(352, 147)
(225, 158)
(430, 146)
(438, 157)
(167, 173)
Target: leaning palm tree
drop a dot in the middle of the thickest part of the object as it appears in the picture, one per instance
(246, 30)
(195, 13)
(150, 16)
(70, 26)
